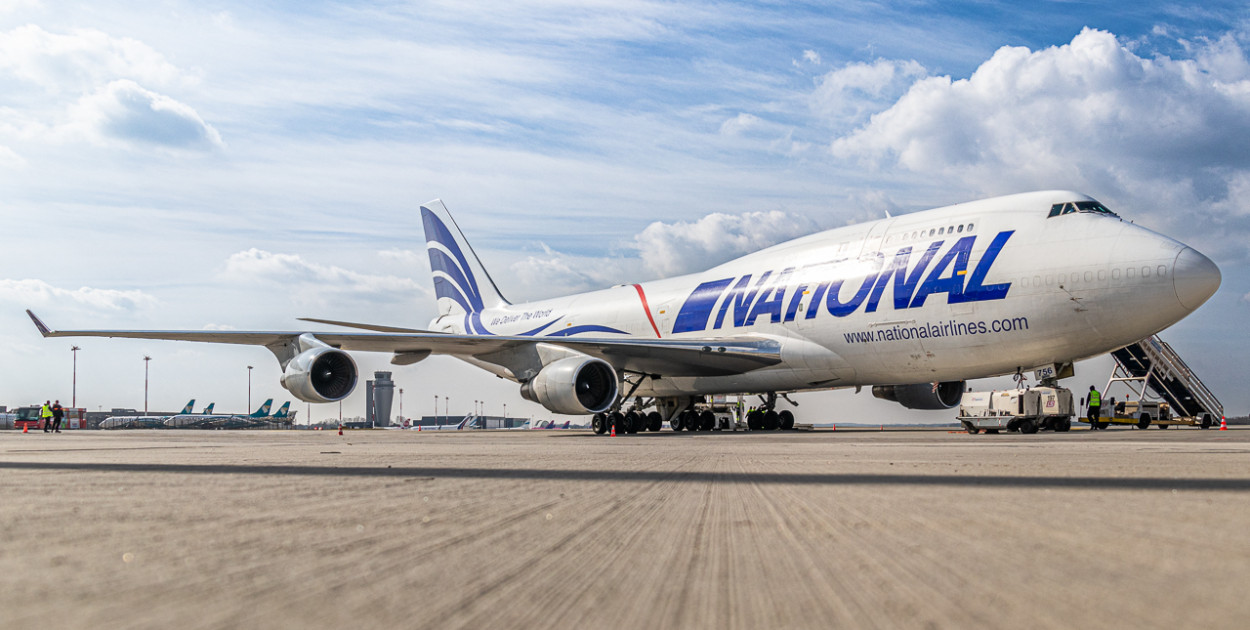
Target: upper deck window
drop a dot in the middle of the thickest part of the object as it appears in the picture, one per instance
(1080, 206)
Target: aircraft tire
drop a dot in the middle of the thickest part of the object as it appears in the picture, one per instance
(692, 420)
(617, 420)
(654, 422)
(771, 421)
(675, 423)
(787, 420)
(707, 420)
(755, 420)
(632, 421)
(599, 424)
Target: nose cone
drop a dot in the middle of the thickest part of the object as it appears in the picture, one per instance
(1196, 278)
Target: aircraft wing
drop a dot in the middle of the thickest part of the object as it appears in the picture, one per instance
(666, 357)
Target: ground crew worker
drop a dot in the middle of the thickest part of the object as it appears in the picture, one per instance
(1095, 407)
(58, 412)
(45, 416)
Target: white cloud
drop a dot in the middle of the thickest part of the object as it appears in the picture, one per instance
(683, 247)
(124, 110)
(37, 293)
(10, 159)
(1158, 133)
(301, 276)
(846, 96)
(556, 273)
(80, 60)
(811, 56)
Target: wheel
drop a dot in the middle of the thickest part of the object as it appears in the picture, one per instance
(1062, 424)
(617, 421)
(632, 422)
(675, 423)
(1164, 426)
(991, 431)
(1144, 421)
(755, 420)
(692, 420)
(599, 424)
(971, 429)
(787, 420)
(707, 420)
(1101, 426)
(1028, 427)
(771, 421)
(1207, 420)
(654, 421)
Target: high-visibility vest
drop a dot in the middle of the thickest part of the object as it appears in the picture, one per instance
(1095, 399)
(45, 412)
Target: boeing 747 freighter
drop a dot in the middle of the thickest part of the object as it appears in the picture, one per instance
(912, 306)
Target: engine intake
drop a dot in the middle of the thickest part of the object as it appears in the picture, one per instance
(573, 385)
(320, 375)
(922, 396)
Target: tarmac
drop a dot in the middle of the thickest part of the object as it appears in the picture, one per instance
(565, 529)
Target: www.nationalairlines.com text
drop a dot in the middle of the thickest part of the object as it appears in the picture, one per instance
(950, 328)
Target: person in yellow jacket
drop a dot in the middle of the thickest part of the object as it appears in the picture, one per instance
(45, 416)
(1095, 408)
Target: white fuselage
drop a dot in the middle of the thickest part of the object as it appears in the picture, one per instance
(967, 291)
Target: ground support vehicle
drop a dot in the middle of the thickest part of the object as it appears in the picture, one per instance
(1026, 410)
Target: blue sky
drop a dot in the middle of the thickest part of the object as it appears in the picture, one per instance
(233, 165)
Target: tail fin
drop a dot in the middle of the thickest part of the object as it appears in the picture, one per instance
(460, 281)
(187, 409)
(283, 410)
(209, 408)
(264, 409)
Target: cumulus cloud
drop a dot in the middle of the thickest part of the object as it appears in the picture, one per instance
(37, 293)
(291, 270)
(81, 59)
(124, 110)
(847, 96)
(1091, 114)
(557, 273)
(674, 248)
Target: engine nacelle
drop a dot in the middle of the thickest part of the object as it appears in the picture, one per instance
(320, 375)
(575, 385)
(922, 396)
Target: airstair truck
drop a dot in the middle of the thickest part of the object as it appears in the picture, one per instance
(1025, 410)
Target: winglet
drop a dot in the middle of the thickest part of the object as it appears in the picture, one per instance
(43, 328)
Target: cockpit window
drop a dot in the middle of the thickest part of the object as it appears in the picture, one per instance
(1080, 206)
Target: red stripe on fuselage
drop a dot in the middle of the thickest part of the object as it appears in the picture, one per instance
(647, 309)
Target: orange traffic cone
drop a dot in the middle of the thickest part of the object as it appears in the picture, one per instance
(613, 429)
(340, 429)
(1223, 424)
(418, 428)
(26, 428)
(835, 427)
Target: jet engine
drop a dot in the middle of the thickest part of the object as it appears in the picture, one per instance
(922, 396)
(575, 385)
(320, 375)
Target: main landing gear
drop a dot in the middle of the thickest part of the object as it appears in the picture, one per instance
(685, 414)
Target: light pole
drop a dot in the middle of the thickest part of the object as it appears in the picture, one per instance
(74, 401)
(146, 359)
(401, 406)
(249, 389)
